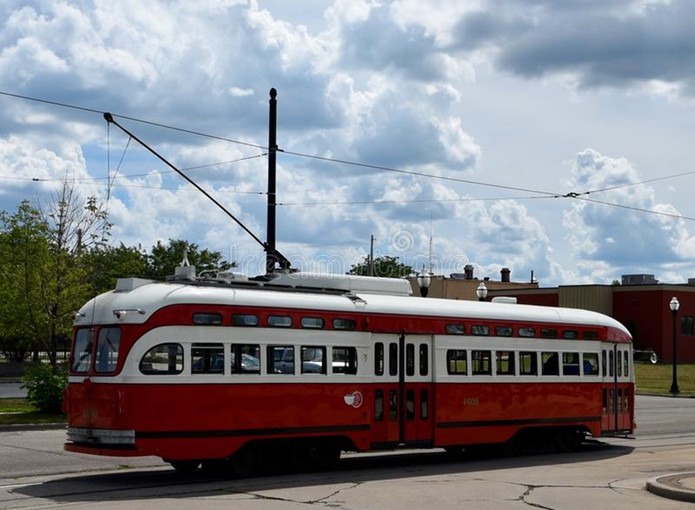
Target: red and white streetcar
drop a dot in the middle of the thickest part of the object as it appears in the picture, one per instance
(234, 371)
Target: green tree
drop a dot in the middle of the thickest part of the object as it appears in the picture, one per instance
(386, 267)
(43, 278)
(164, 259)
(105, 264)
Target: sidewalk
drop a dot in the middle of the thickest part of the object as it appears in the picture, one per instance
(680, 486)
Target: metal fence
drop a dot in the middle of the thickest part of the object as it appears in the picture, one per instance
(41, 356)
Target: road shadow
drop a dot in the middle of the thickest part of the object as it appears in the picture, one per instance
(144, 484)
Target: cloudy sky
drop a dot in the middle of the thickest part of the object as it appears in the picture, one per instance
(544, 136)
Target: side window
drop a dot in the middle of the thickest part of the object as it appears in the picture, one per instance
(481, 362)
(279, 321)
(163, 359)
(280, 359)
(347, 324)
(313, 359)
(604, 363)
(107, 349)
(504, 331)
(505, 362)
(82, 350)
(479, 330)
(207, 359)
(244, 320)
(410, 359)
(528, 363)
(345, 360)
(207, 319)
(456, 362)
(312, 322)
(570, 363)
(424, 359)
(590, 363)
(527, 332)
(246, 359)
(619, 363)
(550, 363)
(611, 364)
(393, 358)
(379, 358)
(626, 364)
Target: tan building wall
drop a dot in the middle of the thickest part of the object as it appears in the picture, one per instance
(459, 288)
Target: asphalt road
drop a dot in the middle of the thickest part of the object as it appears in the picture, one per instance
(36, 473)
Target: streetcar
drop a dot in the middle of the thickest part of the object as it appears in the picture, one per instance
(235, 371)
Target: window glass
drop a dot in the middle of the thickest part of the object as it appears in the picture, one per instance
(410, 404)
(590, 335)
(279, 321)
(280, 359)
(379, 358)
(550, 363)
(604, 363)
(569, 334)
(107, 349)
(348, 324)
(207, 359)
(504, 331)
(619, 363)
(246, 359)
(626, 365)
(481, 362)
(457, 362)
(548, 333)
(379, 405)
(528, 363)
(504, 362)
(590, 363)
(393, 358)
(393, 405)
(207, 319)
(410, 359)
(424, 359)
(687, 325)
(313, 359)
(527, 332)
(570, 363)
(424, 404)
(479, 330)
(611, 364)
(345, 360)
(244, 319)
(82, 350)
(163, 359)
(312, 322)
(455, 329)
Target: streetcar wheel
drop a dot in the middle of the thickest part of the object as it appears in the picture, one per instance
(246, 462)
(325, 457)
(568, 440)
(185, 466)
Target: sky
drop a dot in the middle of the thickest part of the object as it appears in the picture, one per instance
(551, 138)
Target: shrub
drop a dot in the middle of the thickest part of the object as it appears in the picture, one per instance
(45, 385)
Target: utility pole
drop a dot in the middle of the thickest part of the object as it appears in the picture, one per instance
(371, 255)
(271, 257)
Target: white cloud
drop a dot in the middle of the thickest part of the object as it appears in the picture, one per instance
(466, 91)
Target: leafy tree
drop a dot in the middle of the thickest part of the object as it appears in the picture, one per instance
(43, 279)
(164, 259)
(105, 264)
(386, 267)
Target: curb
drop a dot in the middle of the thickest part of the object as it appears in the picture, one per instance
(678, 486)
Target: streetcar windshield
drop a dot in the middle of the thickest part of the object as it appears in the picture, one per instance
(82, 353)
(107, 349)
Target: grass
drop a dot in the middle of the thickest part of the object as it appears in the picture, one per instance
(651, 380)
(656, 379)
(19, 411)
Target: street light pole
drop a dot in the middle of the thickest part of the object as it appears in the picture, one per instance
(481, 291)
(424, 280)
(674, 305)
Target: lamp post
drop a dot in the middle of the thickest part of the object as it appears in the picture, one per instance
(424, 280)
(674, 305)
(481, 291)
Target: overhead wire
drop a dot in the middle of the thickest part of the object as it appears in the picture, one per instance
(542, 193)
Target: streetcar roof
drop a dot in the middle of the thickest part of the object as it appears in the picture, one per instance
(135, 300)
